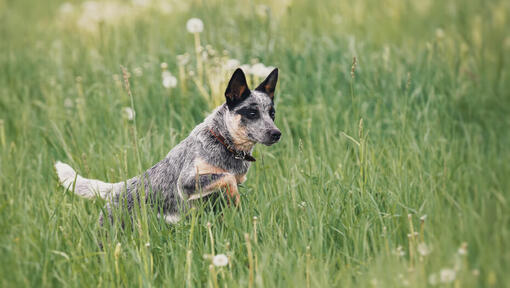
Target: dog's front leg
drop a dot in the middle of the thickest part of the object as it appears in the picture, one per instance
(200, 185)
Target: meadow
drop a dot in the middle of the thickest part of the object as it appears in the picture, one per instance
(393, 168)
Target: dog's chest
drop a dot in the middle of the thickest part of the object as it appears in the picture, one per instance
(202, 167)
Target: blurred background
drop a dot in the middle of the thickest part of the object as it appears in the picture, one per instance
(388, 108)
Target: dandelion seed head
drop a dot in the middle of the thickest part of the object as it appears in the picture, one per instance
(260, 70)
(463, 249)
(220, 260)
(232, 64)
(138, 71)
(165, 7)
(169, 80)
(399, 251)
(246, 68)
(433, 279)
(183, 59)
(68, 103)
(66, 8)
(129, 113)
(447, 275)
(423, 249)
(195, 25)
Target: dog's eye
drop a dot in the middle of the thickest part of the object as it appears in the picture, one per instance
(252, 114)
(271, 114)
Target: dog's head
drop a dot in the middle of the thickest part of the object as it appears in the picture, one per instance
(251, 114)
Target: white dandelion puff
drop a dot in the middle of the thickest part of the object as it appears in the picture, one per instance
(447, 275)
(129, 113)
(138, 71)
(195, 25)
(183, 59)
(246, 68)
(423, 249)
(399, 251)
(232, 64)
(68, 103)
(220, 260)
(462, 249)
(66, 8)
(169, 81)
(165, 8)
(141, 3)
(259, 70)
(433, 279)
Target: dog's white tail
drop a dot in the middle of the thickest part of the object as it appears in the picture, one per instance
(87, 188)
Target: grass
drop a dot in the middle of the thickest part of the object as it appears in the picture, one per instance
(419, 128)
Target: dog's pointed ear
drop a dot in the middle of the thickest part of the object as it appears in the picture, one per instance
(237, 89)
(267, 86)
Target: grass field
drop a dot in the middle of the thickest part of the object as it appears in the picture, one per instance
(391, 172)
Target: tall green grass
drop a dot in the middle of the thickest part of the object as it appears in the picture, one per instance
(419, 128)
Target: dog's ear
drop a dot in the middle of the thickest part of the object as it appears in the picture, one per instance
(267, 86)
(237, 89)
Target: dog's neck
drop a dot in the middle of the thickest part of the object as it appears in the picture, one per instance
(219, 125)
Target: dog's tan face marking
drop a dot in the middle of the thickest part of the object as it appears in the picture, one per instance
(238, 132)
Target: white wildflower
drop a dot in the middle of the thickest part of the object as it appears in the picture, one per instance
(68, 103)
(165, 7)
(232, 64)
(183, 59)
(129, 113)
(462, 249)
(169, 81)
(66, 8)
(141, 3)
(138, 71)
(246, 68)
(259, 70)
(433, 279)
(447, 275)
(423, 249)
(423, 218)
(399, 251)
(220, 260)
(148, 244)
(163, 65)
(195, 25)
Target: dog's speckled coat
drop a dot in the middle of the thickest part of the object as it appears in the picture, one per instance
(245, 119)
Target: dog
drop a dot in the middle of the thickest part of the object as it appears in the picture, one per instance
(215, 157)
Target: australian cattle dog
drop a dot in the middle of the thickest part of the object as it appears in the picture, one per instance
(214, 158)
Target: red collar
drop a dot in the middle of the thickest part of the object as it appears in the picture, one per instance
(240, 155)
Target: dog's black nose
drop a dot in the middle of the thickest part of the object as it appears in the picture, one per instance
(275, 134)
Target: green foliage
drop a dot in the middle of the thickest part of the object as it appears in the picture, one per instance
(430, 84)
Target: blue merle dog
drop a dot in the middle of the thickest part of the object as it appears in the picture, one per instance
(214, 158)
